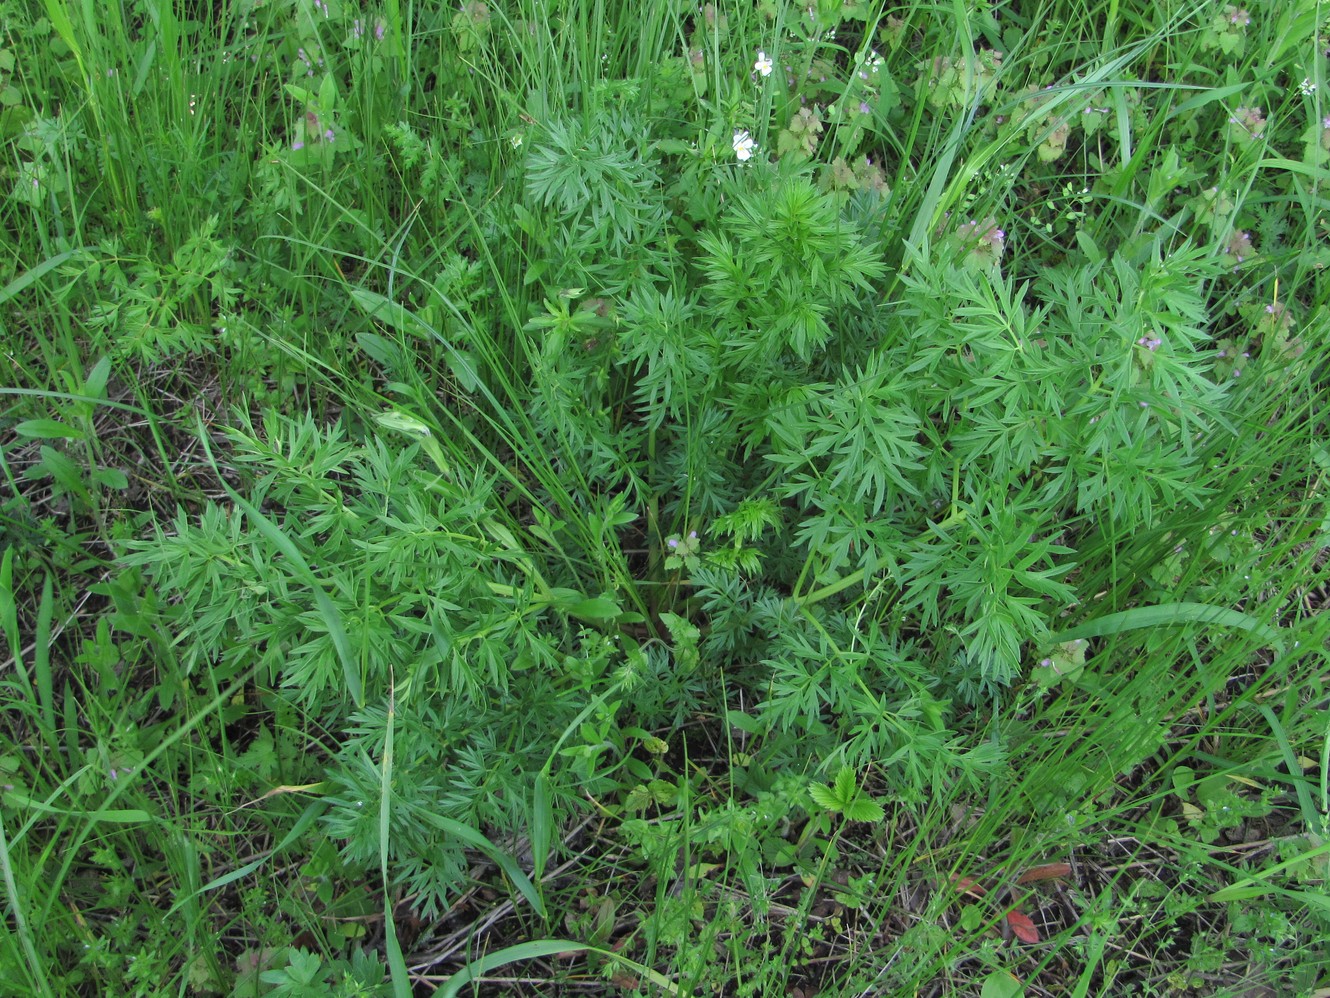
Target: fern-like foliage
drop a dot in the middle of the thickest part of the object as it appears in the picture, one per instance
(444, 621)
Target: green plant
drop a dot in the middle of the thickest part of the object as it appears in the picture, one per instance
(470, 469)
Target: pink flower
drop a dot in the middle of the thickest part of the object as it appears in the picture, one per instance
(1246, 123)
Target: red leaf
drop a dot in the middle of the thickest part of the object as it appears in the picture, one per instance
(967, 885)
(1049, 871)
(1022, 926)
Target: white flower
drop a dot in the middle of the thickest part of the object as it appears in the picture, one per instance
(744, 145)
(763, 64)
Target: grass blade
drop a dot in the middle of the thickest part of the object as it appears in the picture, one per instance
(534, 950)
(505, 862)
(396, 962)
(15, 899)
(1168, 614)
(41, 660)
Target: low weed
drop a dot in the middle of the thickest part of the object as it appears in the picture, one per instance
(532, 497)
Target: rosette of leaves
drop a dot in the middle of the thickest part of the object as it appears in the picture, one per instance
(845, 797)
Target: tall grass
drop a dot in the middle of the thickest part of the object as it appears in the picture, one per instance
(461, 518)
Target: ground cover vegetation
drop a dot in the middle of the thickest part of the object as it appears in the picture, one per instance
(587, 497)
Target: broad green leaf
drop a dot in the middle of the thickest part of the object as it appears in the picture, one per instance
(594, 610)
(300, 93)
(111, 478)
(95, 385)
(67, 473)
(328, 94)
(1002, 984)
(382, 350)
(46, 429)
(744, 722)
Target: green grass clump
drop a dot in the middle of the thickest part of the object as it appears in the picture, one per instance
(636, 498)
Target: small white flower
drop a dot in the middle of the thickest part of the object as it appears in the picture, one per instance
(744, 145)
(1307, 88)
(764, 64)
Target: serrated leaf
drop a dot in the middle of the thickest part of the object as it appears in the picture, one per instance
(847, 787)
(637, 800)
(824, 797)
(685, 635)
(864, 809)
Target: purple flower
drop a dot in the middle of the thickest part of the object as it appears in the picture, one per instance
(1239, 246)
(1247, 123)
